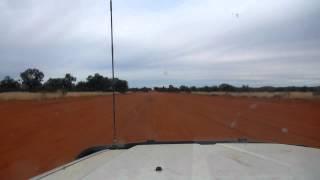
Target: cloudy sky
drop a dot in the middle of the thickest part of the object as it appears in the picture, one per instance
(192, 42)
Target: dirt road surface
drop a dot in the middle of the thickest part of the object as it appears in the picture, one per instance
(37, 136)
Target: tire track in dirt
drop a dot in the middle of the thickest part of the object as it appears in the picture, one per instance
(186, 114)
(134, 118)
(259, 128)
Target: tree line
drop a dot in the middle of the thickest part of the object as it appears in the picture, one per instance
(228, 88)
(32, 81)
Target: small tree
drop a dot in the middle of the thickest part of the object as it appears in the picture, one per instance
(193, 88)
(98, 83)
(145, 89)
(9, 84)
(68, 81)
(184, 88)
(121, 85)
(82, 86)
(54, 84)
(171, 88)
(226, 87)
(31, 79)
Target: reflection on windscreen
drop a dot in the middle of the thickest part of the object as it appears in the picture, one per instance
(185, 70)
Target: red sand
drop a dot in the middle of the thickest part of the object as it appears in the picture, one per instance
(37, 136)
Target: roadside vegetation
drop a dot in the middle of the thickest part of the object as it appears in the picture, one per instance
(32, 80)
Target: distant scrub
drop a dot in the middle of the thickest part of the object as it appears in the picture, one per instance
(32, 81)
(144, 89)
(244, 88)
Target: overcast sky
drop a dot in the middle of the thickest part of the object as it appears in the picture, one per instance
(192, 42)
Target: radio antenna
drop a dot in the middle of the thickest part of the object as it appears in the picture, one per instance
(114, 138)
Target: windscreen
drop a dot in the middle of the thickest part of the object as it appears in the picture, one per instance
(160, 71)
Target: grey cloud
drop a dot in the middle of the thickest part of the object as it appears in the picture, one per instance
(188, 41)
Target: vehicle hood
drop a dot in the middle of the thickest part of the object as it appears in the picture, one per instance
(195, 161)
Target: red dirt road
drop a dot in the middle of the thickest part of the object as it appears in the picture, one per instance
(37, 136)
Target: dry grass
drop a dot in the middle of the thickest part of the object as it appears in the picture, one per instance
(284, 95)
(41, 96)
(55, 95)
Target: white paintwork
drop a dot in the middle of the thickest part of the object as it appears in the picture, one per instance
(79, 168)
(193, 161)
